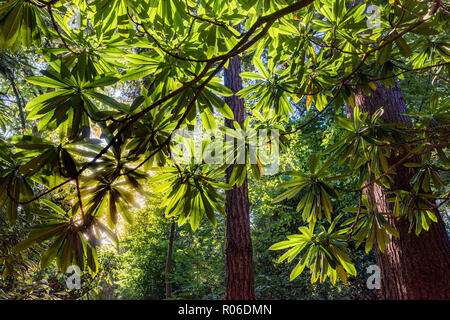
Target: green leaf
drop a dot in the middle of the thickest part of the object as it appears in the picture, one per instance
(297, 270)
(46, 82)
(10, 27)
(260, 66)
(215, 86)
(102, 82)
(53, 206)
(251, 75)
(283, 245)
(39, 237)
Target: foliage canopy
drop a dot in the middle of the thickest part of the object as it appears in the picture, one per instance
(100, 148)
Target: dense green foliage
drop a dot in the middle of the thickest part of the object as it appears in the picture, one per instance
(113, 80)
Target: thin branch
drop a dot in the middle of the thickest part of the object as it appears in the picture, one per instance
(352, 228)
(239, 48)
(55, 26)
(18, 101)
(83, 216)
(405, 70)
(214, 22)
(395, 165)
(358, 66)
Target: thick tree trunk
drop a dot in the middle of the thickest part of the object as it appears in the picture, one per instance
(238, 243)
(169, 261)
(413, 267)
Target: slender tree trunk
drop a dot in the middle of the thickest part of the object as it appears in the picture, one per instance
(169, 261)
(412, 267)
(238, 243)
(19, 103)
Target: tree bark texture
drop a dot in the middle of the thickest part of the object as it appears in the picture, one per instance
(412, 267)
(238, 244)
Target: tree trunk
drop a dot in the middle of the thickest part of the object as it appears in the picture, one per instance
(412, 267)
(238, 243)
(19, 103)
(169, 261)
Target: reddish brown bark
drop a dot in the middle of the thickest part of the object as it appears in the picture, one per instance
(413, 267)
(238, 244)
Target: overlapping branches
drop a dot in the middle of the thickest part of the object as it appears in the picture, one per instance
(253, 35)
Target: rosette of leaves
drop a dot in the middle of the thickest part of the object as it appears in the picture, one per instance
(191, 192)
(70, 241)
(268, 93)
(145, 136)
(208, 100)
(73, 104)
(369, 226)
(85, 53)
(19, 21)
(325, 253)
(248, 150)
(112, 186)
(419, 204)
(14, 186)
(316, 192)
(417, 207)
(102, 56)
(166, 74)
(53, 161)
(111, 15)
(433, 127)
(362, 146)
(427, 176)
(340, 23)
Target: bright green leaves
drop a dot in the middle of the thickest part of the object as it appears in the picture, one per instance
(170, 12)
(191, 193)
(269, 96)
(113, 15)
(70, 243)
(305, 58)
(18, 24)
(53, 162)
(340, 23)
(251, 149)
(208, 38)
(362, 148)
(430, 127)
(325, 253)
(112, 189)
(140, 65)
(431, 52)
(316, 200)
(72, 105)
